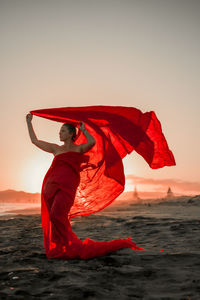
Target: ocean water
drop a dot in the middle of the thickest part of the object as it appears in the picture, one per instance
(9, 208)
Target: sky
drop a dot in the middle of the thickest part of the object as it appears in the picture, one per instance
(60, 53)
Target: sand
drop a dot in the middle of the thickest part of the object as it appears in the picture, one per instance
(173, 273)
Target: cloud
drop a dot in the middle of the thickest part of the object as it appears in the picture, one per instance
(175, 183)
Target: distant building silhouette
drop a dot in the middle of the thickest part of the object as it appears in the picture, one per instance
(170, 194)
(135, 195)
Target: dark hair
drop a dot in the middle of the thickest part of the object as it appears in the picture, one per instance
(72, 129)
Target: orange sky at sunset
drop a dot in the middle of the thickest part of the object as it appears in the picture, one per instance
(143, 54)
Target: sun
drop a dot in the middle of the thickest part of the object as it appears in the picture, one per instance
(33, 173)
(128, 186)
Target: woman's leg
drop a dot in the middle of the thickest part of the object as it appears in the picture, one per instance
(60, 225)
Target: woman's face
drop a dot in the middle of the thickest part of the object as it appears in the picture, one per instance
(64, 133)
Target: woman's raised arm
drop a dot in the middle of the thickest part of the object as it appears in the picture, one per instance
(32, 134)
(45, 146)
(90, 139)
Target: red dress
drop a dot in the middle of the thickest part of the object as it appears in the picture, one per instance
(77, 184)
(58, 193)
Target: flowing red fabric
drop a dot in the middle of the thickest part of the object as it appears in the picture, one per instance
(81, 184)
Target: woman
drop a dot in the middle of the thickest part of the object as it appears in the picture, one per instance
(59, 189)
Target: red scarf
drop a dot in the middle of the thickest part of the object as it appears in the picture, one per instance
(118, 130)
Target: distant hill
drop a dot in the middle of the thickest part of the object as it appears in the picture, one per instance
(19, 196)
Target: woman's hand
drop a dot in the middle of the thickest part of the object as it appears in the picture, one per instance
(82, 126)
(29, 117)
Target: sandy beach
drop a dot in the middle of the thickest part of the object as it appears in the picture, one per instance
(168, 269)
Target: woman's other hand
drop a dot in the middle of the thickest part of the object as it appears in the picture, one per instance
(29, 117)
(82, 126)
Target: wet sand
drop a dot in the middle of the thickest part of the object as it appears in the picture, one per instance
(168, 269)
